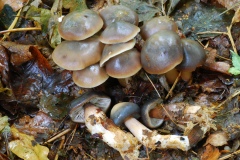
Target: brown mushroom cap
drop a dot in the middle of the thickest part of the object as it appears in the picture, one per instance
(118, 13)
(118, 32)
(73, 55)
(111, 50)
(161, 52)
(157, 24)
(90, 77)
(193, 55)
(124, 65)
(80, 25)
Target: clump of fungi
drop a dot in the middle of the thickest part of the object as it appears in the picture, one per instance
(101, 45)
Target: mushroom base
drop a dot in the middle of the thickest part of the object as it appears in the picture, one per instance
(152, 139)
(98, 124)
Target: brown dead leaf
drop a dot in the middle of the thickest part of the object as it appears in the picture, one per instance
(210, 153)
(211, 64)
(39, 124)
(15, 4)
(19, 53)
(4, 68)
(217, 139)
(236, 17)
(229, 3)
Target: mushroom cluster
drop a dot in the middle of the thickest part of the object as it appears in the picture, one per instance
(164, 52)
(93, 56)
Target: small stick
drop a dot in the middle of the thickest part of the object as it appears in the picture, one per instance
(21, 29)
(58, 135)
(173, 86)
(230, 97)
(60, 147)
(153, 85)
(230, 155)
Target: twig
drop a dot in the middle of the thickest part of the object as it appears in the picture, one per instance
(60, 147)
(72, 135)
(230, 97)
(230, 155)
(21, 29)
(58, 135)
(153, 85)
(173, 86)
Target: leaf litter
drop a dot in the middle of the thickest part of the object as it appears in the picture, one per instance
(35, 93)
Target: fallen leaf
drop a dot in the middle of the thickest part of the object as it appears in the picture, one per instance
(230, 4)
(26, 147)
(15, 4)
(217, 139)
(3, 122)
(210, 153)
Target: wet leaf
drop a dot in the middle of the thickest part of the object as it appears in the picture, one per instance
(7, 16)
(15, 4)
(235, 70)
(217, 139)
(40, 15)
(210, 153)
(172, 5)
(144, 10)
(26, 147)
(3, 122)
(75, 5)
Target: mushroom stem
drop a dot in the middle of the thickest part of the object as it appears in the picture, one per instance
(172, 75)
(98, 124)
(186, 76)
(154, 140)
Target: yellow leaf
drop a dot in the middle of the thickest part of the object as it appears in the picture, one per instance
(3, 122)
(26, 147)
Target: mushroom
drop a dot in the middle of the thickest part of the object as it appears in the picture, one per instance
(146, 116)
(118, 13)
(157, 24)
(76, 109)
(193, 57)
(124, 65)
(161, 53)
(111, 50)
(118, 32)
(127, 112)
(77, 55)
(90, 77)
(89, 108)
(80, 25)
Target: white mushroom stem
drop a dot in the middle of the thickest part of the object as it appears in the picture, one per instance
(154, 140)
(98, 124)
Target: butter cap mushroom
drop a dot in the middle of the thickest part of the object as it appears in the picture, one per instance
(193, 57)
(118, 32)
(76, 107)
(80, 25)
(111, 50)
(124, 65)
(146, 108)
(118, 13)
(90, 77)
(77, 55)
(157, 24)
(161, 52)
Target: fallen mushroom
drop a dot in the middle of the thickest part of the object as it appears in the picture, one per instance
(118, 32)
(89, 108)
(149, 121)
(161, 53)
(157, 24)
(79, 25)
(77, 55)
(182, 113)
(118, 13)
(193, 57)
(90, 77)
(125, 112)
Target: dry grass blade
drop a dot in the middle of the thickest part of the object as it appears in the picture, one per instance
(230, 155)
(58, 135)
